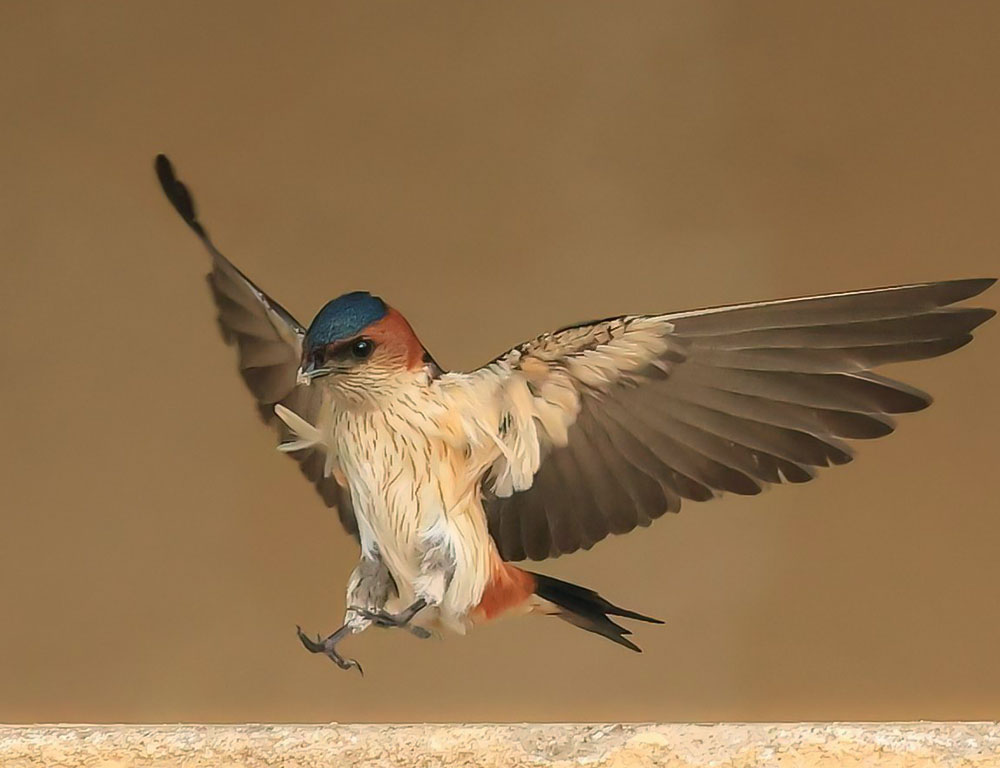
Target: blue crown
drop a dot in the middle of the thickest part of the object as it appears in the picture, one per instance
(344, 317)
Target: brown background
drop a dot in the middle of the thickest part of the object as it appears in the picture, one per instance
(494, 170)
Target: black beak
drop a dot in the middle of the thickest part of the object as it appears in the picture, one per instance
(309, 371)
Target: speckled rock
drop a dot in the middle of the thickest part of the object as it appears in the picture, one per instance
(916, 745)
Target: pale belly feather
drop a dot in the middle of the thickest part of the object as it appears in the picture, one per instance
(412, 491)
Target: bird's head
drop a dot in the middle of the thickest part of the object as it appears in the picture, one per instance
(357, 342)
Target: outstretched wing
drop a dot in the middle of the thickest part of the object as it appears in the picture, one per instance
(269, 347)
(608, 425)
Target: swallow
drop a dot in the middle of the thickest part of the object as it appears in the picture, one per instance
(447, 478)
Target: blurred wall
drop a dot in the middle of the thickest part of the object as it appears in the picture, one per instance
(494, 170)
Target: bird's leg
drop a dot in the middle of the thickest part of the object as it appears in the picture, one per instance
(400, 620)
(369, 588)
(437, 566)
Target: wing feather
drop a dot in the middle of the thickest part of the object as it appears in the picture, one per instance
(631, 415)
(828, 309)
(269, 346)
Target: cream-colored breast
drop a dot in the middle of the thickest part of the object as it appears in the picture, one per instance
(385, 462)
(409, 486)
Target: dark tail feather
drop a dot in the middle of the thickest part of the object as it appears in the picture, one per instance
(586, 609)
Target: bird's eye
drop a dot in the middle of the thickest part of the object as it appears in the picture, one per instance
(362, 349)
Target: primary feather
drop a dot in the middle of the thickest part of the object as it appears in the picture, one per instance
(269, 347)
(652, 410)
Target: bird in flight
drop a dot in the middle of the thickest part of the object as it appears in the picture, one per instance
(446, 478)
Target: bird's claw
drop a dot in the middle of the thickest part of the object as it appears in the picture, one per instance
(329, 648)
(313, 646)
(394, 620)
(420, 632)
(383, 619)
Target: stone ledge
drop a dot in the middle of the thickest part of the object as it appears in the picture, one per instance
(726, 745)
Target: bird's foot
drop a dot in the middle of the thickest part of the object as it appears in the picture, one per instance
(399, 620)
(420, 632)
(329, 647)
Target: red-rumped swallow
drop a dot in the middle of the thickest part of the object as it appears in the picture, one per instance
(445, 478)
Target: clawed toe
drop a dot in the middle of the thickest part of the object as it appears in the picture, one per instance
(394, 621)
(401, 619)
(328, 647)
(343, 663)
(381, 618)
(313, 646)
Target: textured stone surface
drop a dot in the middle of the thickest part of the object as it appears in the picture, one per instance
(612, 745)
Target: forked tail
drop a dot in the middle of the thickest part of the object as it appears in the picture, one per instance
(587, 610)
